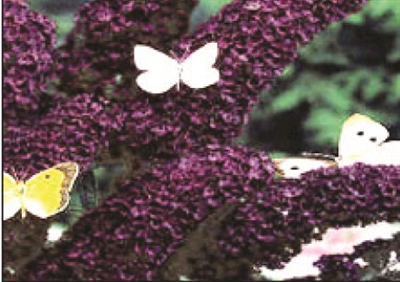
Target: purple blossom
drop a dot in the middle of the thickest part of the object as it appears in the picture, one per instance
(28, 43)
(101, 44)
(74, 130)
(254, 47)
(133, 232)
(283, 216)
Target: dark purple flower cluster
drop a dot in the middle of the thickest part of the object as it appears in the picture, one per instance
(100, 47)
(28, 46)
(284, 215)
(133, 232)
(74, 130)
(377, 260)
(255, 44)
(270, 228)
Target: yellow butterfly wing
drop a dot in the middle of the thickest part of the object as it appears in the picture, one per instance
(11, 196)
(47, 192)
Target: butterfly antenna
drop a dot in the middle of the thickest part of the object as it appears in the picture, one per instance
(185, 54)
(318, 155)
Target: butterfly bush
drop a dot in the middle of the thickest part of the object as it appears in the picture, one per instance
(28, 45)
(206, 209)
(134, 232)
(139, 232)
(256, 40)
(100, 46)
(65, 133)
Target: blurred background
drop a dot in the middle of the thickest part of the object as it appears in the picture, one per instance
(354, 66)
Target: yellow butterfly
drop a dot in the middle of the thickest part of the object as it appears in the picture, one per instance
(44, 194)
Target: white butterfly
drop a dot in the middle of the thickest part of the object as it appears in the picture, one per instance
(293, 167)
(362, 140)
(162, 72)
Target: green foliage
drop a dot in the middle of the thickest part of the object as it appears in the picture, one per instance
(204, 10)
(60, 11)
(336, 78)
(386, 15)
(386, 10)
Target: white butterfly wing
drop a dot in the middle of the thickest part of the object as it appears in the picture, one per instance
(359, 135)
(147, 58)
(293, 167)
(11, 196)
(197, 69)
(386, 154)
(390, 153)
(161, 71)
(159, 81)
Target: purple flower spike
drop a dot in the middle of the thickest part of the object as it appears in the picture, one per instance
(285, 214)
(133, 232)
(28, 43)
(270, 228)
(255, 43)
(139, 232)
(101, 45)
(74, 130)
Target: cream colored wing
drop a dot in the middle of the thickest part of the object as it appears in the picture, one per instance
(197, 69)
(387, 153)
(359, 135)
(293, 167)
(161, 72)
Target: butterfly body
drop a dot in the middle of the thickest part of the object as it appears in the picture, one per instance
(44, 194)
(17, 194)
(162, 72)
